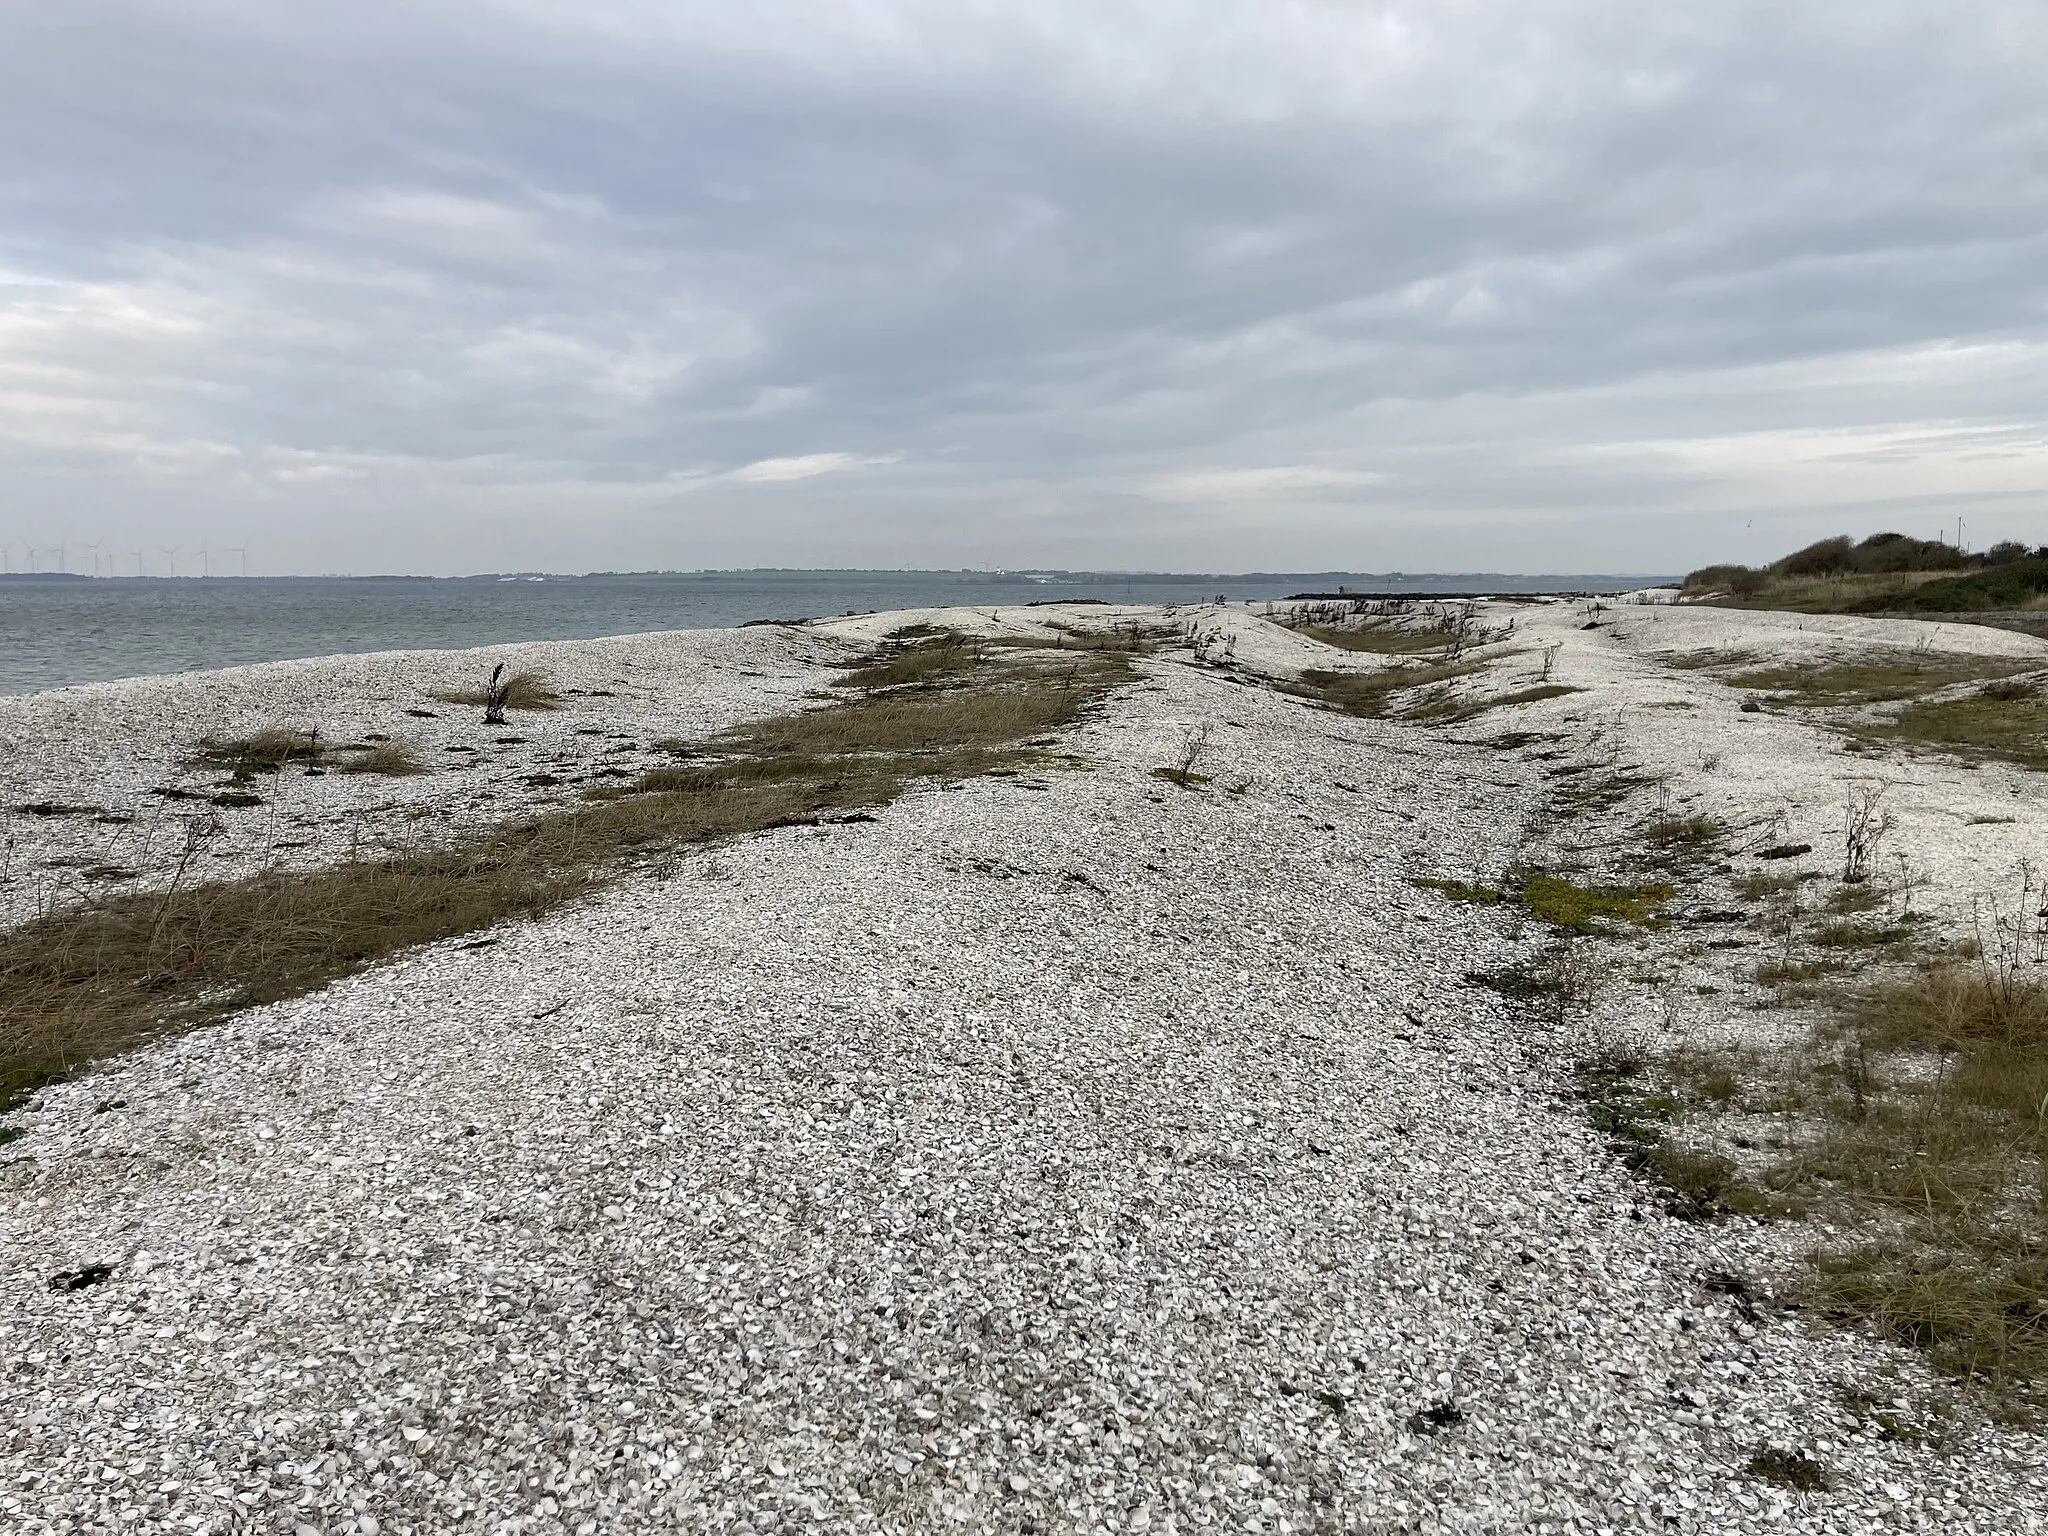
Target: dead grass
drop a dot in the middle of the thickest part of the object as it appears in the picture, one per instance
(396, 759)
(522, 690)
(1796, 973)
(1708, 660)
(270, 749)
(88, 981)
(1999, 722)
(1371, 694)
(1379, 637)
(1956, 1008)
(2006, 719)
(1758, 886)
(262, 751)
(953, 727)
(1851, 935)
(1976, 1317)
(1448, 709)
(1461, 890)
(926, 657)
(1922, 1111)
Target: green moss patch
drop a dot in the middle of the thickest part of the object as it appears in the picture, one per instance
(1584, 908)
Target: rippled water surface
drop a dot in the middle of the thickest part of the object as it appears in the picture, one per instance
(56, 633)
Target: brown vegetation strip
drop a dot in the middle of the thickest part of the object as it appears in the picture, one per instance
(1380, 638)
(1371, 694)
(83, 983)
(1880, 678)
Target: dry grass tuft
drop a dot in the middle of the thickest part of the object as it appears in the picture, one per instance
(1758, 886)
(1956, 1008)
(522, 690)
(262, 751)
(928, 658)
(270, 749)
(1707, 660)
(1979, 1316)
(393, 758)
(1695, 834)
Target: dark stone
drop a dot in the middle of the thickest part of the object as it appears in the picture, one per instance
(1436, 1417)
(79, 1279)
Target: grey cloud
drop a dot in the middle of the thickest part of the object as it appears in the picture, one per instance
(1203, 284)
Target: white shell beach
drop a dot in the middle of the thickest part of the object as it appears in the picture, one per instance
(1066, 1150)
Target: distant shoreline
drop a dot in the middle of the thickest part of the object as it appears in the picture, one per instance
(1331, 580)
(58, 630)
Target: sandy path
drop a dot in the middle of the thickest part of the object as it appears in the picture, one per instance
(1063, 1153)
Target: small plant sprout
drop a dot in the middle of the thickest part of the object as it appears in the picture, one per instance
(1865, 824)
(2011, 937)
(1550, 657)
(496, 694)
(1909, 881)
(1194, 746)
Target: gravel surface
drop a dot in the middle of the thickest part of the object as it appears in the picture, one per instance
(1058, 1152)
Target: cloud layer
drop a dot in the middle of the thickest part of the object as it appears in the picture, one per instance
(1514, 284)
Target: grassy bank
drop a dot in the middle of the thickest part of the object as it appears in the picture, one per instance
(1891, 1097)
(1885, 573)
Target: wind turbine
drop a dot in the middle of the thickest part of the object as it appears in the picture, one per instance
(241, 550)
(138, 563)
(172, 555)
(205, 562)
(94, 548)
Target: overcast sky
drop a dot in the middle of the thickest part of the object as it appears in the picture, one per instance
(1217, 284)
